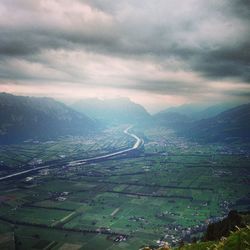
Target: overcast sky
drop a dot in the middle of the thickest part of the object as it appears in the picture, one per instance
(157, 52)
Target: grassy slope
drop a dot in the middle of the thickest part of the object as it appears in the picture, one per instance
(237, 240)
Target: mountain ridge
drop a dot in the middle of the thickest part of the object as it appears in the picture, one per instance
(230, 125)
(23, 117)
(112, 111)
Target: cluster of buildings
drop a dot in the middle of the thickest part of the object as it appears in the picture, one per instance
(120, 238)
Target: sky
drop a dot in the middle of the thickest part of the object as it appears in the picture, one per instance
(159, 53)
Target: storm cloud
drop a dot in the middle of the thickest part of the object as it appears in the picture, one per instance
(185, 48)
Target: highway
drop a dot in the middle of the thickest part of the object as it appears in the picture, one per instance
(23, 172)
(139, 142)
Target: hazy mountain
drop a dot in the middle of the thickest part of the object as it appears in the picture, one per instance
(200, 111)
(232, 124)
(171, 119)
(213, 110)
(23, 118)
(186, 109)
(112, 111)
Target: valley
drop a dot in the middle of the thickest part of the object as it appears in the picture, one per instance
(167, 190)
(124, 125)
(37, 163)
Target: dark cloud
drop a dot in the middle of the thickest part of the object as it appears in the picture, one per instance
(210, 39)
(225, 63)
(241, 8)
(171, 87)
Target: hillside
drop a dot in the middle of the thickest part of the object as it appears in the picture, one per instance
(231, 233)
(172, 119)
(230, 125)
(185, 109)
(214, 110)
(200, 111)
(237, 240)
(112, 111)
(23, 118)
(223, 228)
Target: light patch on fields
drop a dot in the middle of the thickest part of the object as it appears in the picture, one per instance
(68, 246)
(115, 211)
(67, 217)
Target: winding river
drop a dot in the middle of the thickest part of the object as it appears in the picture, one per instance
(138, 143)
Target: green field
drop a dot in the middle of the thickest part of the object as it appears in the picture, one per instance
(170, 190)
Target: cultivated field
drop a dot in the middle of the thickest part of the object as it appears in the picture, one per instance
(169, 190)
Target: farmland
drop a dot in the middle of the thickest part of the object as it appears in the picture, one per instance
(169, 190)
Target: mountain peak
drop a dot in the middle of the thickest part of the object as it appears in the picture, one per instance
(117, 110)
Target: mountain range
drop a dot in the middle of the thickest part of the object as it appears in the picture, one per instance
(23, 118)
(200, 111)
(229, 125)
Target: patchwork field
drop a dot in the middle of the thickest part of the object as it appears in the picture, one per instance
(169, 190)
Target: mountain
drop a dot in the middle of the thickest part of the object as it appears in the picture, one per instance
(229, 125)
(213, 110)
(112, 111)
(186, 109)
(23, 118)
(200, 111)
(171, 119)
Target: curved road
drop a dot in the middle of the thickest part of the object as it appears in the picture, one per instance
(139, 142)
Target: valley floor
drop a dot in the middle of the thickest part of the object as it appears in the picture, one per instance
(168, 191)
